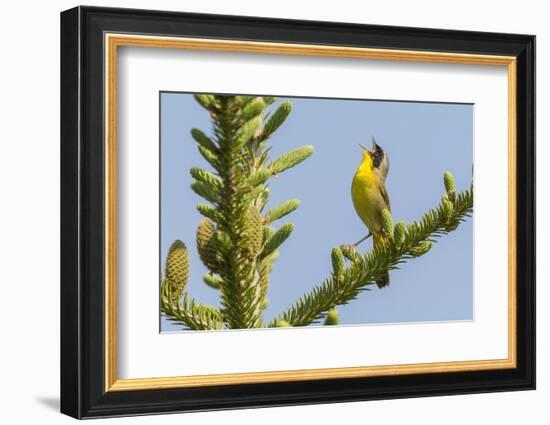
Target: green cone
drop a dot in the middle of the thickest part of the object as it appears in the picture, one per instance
(387, 221)
(450, 187)
(337, 261)
(448, 209)
(399, 233)
(177, 268)
(206, 244)
(333, 317)
(253, 232)
(449, 181)
(350, 252)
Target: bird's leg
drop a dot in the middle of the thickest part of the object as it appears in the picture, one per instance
(362, 240)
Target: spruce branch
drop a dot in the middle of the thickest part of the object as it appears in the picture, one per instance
(248, 130)
(278, 118)
(203, 140)
(240, 291)
(290, 159)
(187, 312)
(259, 177)
(231, 241)
(205, 191)
(242, 101)
(281, 210)
(366, 269)
(210, 156)
(207, 101)
(277, 239)
(213, 182)
(253, 108)
(212, 280)
(209, 211)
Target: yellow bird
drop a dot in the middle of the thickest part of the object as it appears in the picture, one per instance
(369, 195)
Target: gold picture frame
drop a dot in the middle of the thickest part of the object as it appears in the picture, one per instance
(114, 41)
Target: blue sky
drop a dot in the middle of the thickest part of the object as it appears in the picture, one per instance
(423, 140)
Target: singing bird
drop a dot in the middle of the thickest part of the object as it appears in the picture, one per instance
(369, 195)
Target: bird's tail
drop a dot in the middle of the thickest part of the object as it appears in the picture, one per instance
(385, 279)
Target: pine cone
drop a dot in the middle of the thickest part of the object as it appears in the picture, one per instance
(206, 244)
(177, 268)
(253, 233)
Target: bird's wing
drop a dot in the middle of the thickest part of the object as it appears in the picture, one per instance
(385, 196)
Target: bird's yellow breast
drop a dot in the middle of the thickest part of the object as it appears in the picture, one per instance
(367, 196)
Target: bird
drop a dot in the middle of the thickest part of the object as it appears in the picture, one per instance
(370, 197)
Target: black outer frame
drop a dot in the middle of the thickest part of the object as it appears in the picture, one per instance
(82, 219)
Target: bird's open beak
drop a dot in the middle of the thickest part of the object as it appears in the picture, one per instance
(364, 148)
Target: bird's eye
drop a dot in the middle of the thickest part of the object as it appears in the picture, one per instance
(377, 159)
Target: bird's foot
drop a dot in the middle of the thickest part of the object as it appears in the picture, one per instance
(362, 240)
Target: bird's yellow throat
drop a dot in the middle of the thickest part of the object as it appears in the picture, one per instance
(365, 168)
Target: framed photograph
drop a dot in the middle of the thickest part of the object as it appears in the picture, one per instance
(261, 212)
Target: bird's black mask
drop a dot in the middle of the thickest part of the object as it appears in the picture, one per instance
(377, 156)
